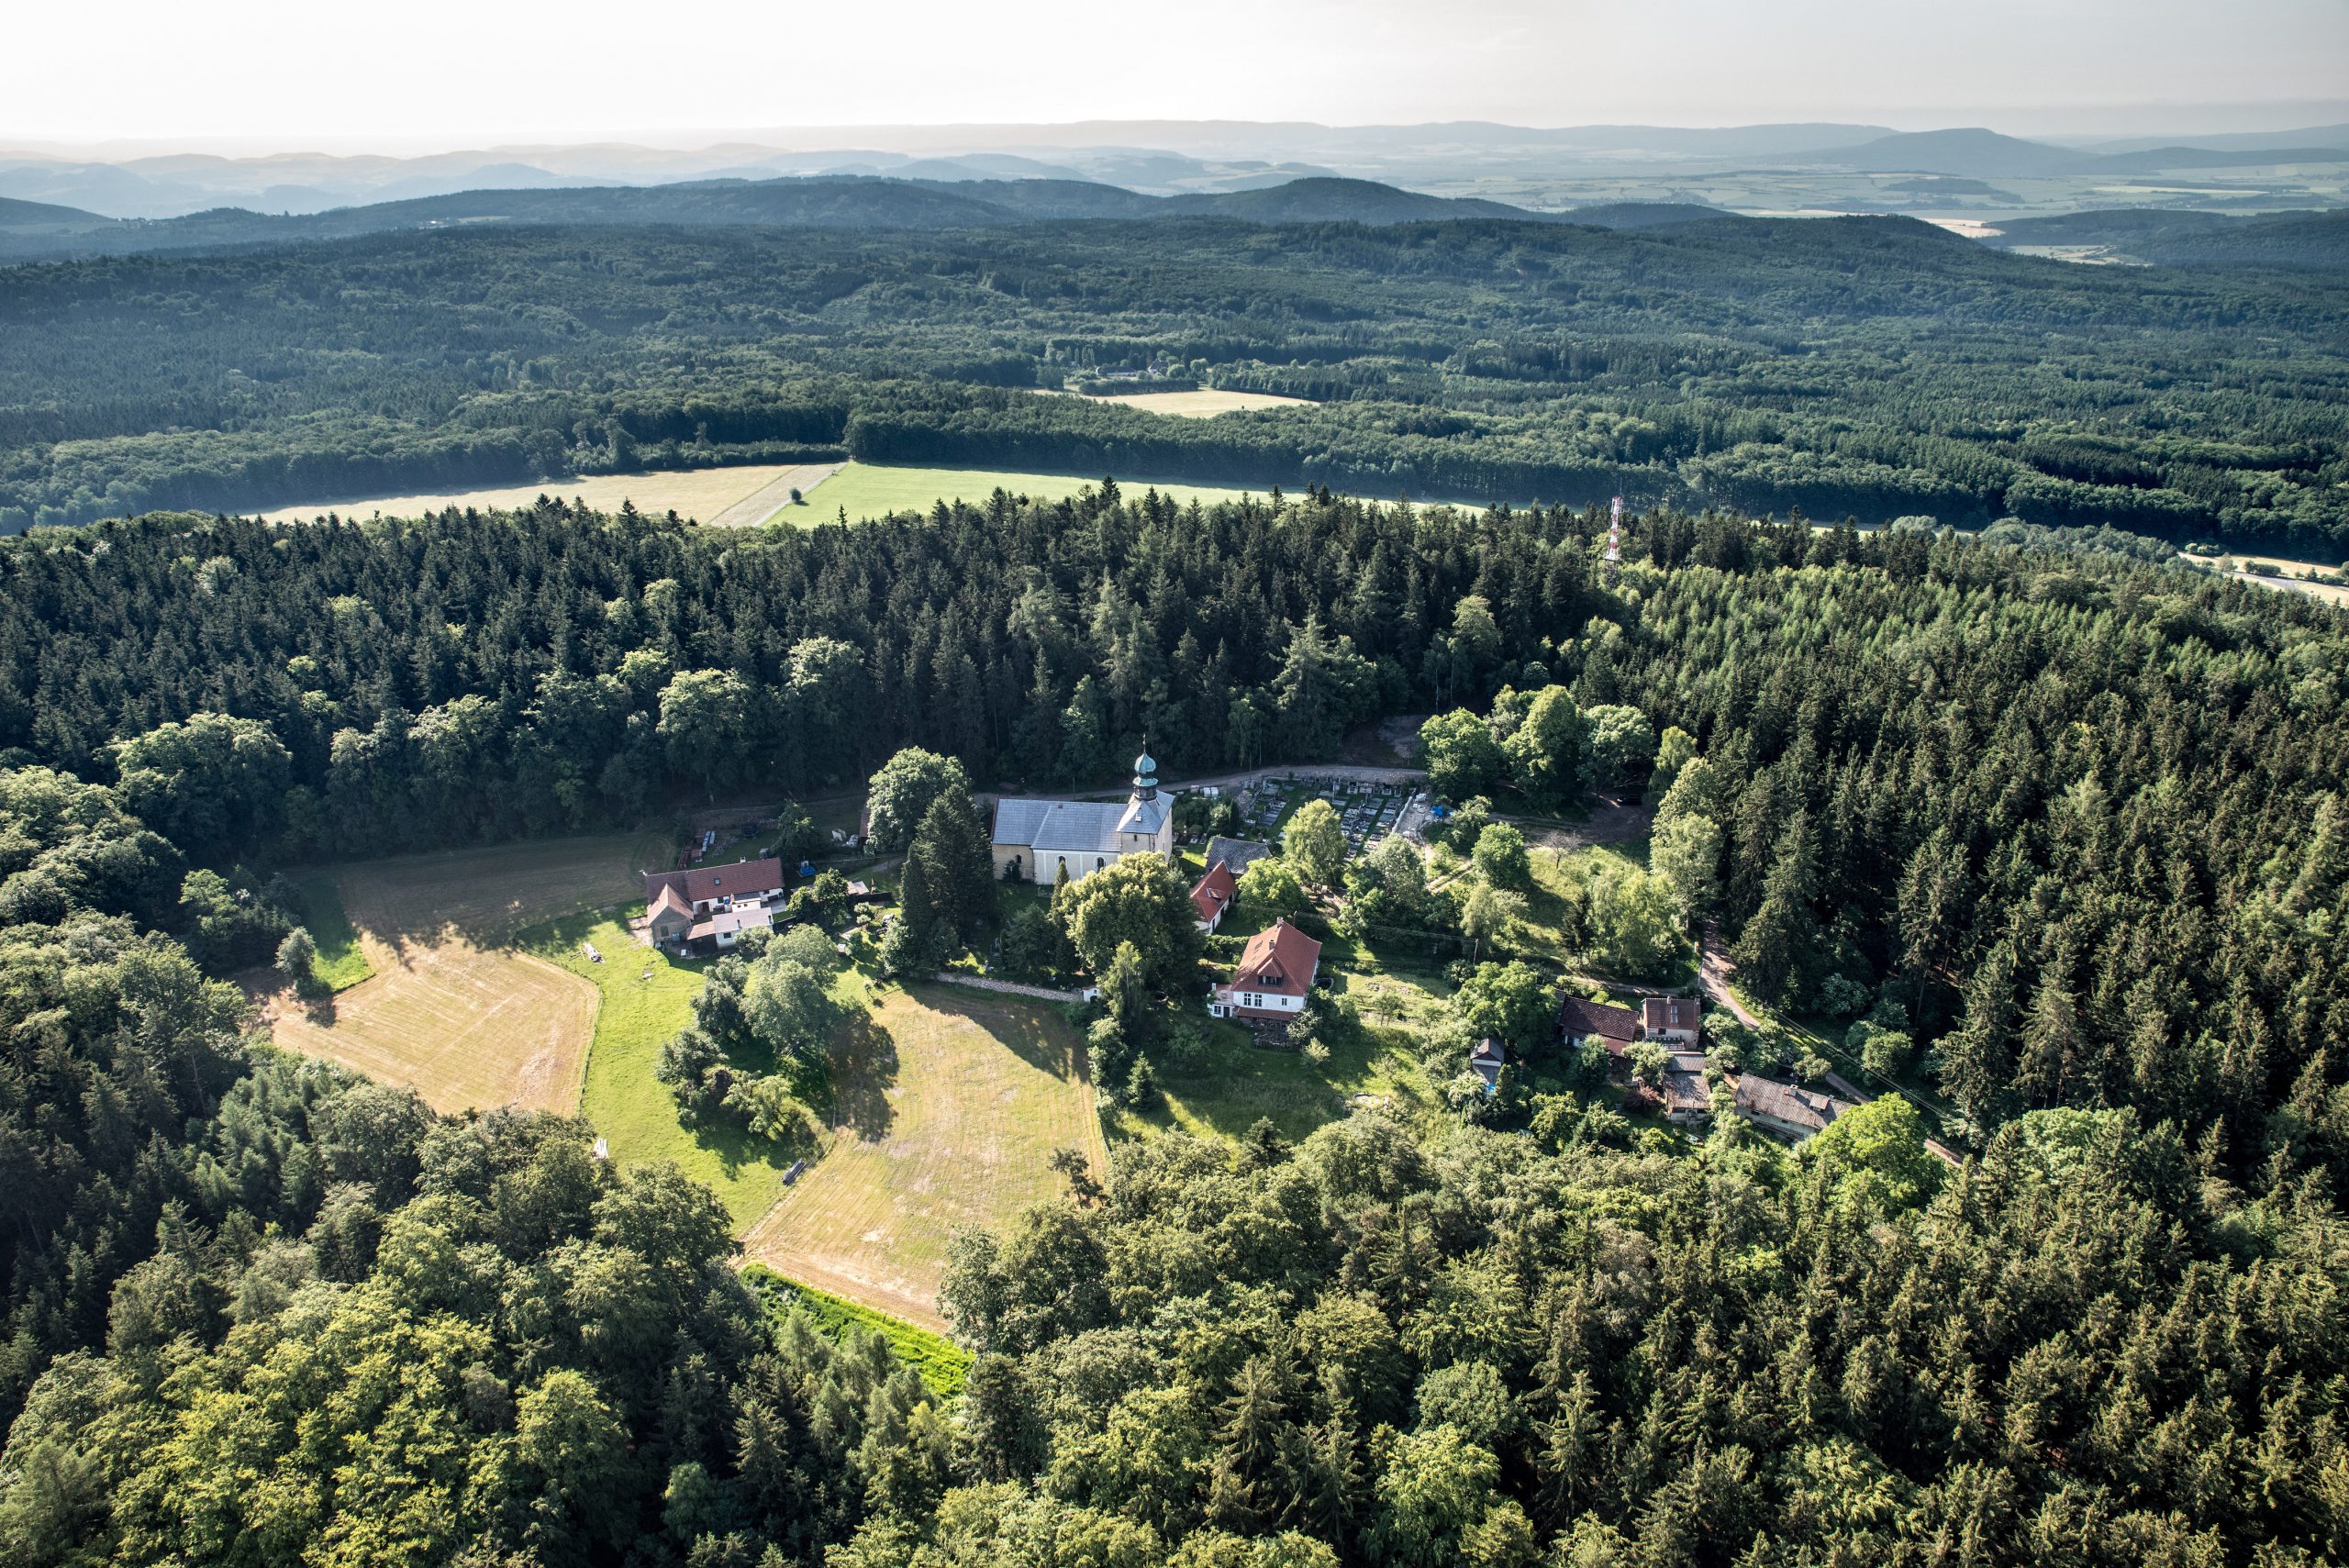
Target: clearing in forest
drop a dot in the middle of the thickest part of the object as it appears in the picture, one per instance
(701, 492)
(450, 1011)
(866, 490)
(1203, 404)
(948, 1105)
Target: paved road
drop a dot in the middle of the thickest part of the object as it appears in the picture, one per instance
(774, 496)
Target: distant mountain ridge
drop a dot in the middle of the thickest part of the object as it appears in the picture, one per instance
(32, 232)
(852, 201)
(1975, 152)
(1151, 157)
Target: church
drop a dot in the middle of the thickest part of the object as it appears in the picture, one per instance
(1035, 840)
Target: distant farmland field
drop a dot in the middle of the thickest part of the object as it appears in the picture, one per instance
(876, 490)
(699, 493)
(450, 1011)
(949, 1103)
(1204, 404)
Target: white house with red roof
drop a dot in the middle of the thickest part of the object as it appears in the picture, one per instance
(1274, 972)
(1213, 896)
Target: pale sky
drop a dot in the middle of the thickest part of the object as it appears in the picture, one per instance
(300, 74)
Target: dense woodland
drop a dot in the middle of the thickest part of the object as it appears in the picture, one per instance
(1876, 368)
(2079, 815)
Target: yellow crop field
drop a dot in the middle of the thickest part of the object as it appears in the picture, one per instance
(948, 1105)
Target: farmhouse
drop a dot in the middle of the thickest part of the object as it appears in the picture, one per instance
(1275, 972)
(1036, 840)
(1580, 1020)
(1670, 1020)
(1213, 896)
(1787, 1108)
(711, 906)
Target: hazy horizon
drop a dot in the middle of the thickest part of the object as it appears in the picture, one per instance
(268, 78)
(914, 136)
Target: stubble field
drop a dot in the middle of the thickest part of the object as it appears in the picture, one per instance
(948, 1105)
(450, 1011)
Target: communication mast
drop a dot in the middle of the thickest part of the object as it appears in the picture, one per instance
(1615, 544)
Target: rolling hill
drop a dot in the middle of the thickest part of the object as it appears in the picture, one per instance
(834, 201)
(2161, 237)
(1977, 153)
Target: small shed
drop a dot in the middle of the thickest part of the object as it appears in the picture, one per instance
(1487, 1061)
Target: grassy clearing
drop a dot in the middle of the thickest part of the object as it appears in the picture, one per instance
(646, 996)
(452, 1010)
(866, 490)
(1233, 1081)
(946, 1104)
(341, 963)
(690, 491)
(1205, 403)
(941, 1364)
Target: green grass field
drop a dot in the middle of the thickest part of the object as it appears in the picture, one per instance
(948, 1105)
(874, 490)
(1234, 1082)
(647, 997)
(941, 1364)
(340, 964)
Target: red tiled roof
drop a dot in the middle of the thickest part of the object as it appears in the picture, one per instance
(1214, 892)
(1675, 1013)
(1279, 958)
(669, 899)
(700, 884)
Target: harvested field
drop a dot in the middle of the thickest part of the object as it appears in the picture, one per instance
(700, 493)
(450, 1011)
(1204, 404)
(867, 490)
(948, 1105)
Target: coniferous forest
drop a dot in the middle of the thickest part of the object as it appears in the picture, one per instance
(1877, 368)
(2079, 815)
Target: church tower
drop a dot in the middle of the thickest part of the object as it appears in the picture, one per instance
(1148, 822)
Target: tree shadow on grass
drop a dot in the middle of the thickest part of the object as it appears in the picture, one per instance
(1027, 1028)
(864, 1069)
(514, 886)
